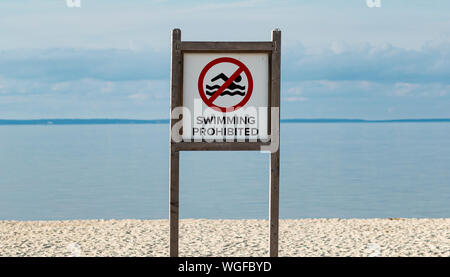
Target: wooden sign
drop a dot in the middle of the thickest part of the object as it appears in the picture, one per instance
(225, 96)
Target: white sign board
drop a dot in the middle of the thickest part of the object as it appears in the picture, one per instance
(225, 96)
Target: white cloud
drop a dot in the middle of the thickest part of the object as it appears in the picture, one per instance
(338, 47)
(221, 6)
(295, 90)
(365, 85)
(107, 87)
(60, 86)
(402, 89)
(113, 24)
(295, 99)
(139, 96)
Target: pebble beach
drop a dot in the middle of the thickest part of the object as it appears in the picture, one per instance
(204, 237)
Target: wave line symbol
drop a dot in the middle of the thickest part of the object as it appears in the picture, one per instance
(229, 87)
(226, 92)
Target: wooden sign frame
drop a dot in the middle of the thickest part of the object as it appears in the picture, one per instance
(273, 49)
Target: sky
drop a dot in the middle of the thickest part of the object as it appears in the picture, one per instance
(111, 58)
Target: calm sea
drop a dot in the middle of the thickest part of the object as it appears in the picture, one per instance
(347, 170)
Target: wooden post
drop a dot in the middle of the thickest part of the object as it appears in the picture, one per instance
(174, 153)
(275, 156)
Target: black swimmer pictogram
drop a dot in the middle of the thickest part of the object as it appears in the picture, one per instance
(227, 84)
(232, 89)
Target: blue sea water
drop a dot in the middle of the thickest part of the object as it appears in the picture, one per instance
(346, 170)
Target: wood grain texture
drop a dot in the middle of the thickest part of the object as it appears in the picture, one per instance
(275, 157)
(174, 154)
(219, 46)
(219, 146)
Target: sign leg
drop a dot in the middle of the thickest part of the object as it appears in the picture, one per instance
(174, 200)
(274, 202)
(275, 156)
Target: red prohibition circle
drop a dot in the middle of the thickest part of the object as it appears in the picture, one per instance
(241, 68)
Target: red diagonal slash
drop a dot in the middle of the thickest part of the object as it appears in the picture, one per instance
(225, 85)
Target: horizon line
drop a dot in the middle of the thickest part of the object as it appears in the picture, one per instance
(101, 121)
